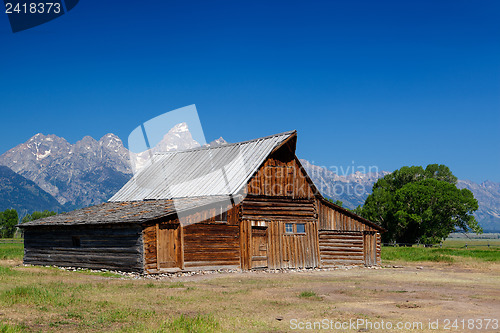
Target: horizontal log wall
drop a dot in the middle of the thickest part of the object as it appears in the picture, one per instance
(205, 242)
(273, 209)
(333, 219)
(211, 245)
(209, 214)
(116, 247)
(340, 248)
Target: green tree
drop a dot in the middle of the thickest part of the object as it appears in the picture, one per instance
(37, 215)
(420, 205)
(8, 222)
(358, 210)
(336, 202)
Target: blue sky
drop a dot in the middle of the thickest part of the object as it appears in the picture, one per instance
(380, 83)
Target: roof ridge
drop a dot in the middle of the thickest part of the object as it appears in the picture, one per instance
(191, 172)
(226, 145)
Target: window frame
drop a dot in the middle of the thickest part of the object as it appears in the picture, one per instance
(222, 216)
(294, 229)
(301, 232)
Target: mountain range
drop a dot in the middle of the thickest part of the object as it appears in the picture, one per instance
(23, 194)
(76, 175)
(352, 189)
(488, 196)
(90, 172)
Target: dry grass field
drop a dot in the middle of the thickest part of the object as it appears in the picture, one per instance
(45, 299)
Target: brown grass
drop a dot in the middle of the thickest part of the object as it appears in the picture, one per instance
(51, 300)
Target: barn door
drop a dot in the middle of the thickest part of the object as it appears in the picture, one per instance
(259, 247)
(370, 248)
(168, 246)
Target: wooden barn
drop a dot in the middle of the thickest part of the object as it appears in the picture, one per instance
(244, 205)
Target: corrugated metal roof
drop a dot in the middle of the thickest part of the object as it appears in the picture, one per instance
(206, 171)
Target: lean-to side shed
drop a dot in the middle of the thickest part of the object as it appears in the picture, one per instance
(243, 205)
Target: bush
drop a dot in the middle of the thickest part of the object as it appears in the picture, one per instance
(8, 222)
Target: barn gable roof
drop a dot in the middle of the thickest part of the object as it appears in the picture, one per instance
(205, 171)
(195, 178)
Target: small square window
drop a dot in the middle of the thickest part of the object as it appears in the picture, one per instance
(301, 228)
(289, 228)
(222, 215)
(76, 241)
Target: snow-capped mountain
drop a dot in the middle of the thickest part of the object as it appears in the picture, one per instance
(89, 171)
(178, 138)
(77, 175)
(217, 142)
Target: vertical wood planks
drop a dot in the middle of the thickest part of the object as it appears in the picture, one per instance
(379, 248)
(331, 218)
(245, 234)
(281, 176)
(150, 246)
(168, 249)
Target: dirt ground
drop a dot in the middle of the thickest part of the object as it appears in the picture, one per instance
(424, 294)
(426, 297)
(431, 297)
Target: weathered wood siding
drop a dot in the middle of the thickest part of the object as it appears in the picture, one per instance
(370, 248)
(284, 250)
(211, 245)
(341, 248)
(345, 238)
(100, 247)
(279, 193)
(150, 251)
(281, 176)
(208, 215)
(297, 250)
(331, 218)
(265, 208)
(204, 242)
(379, 249)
